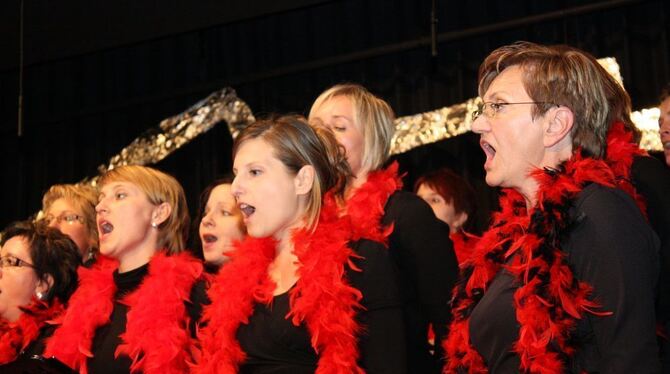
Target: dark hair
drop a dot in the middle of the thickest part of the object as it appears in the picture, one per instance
(454, 189)
(52, 253)
(296, 144)
(665, 93)
(196, 244)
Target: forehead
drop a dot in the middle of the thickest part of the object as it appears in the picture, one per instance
(665, 106)
(16, 246)
(111, 186)
(336, 106)
(60, 205)
(509, 83)
(221, 192)
(255, 150)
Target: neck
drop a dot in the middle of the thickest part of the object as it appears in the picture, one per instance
(135, 259)
(359, 179)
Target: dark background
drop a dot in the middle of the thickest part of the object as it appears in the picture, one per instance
(99, 73)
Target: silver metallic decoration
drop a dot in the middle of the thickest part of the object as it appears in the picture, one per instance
(429, 127)
(172, 133)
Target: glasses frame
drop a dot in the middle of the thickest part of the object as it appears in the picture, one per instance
(489, 110)
(16, 263)
(48, 219)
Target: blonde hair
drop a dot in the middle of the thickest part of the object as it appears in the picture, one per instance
(83, 197)
(296, 144)
(566, 76)
(373, 115)
(160, 188)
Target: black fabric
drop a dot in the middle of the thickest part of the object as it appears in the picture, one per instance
(651, 178)
(107, 338)
(425, 257)
(614, 250)
(274, 345)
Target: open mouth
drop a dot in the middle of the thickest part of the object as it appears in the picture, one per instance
(247, 210)
(105, 227)
(488, 149)
(208, 238)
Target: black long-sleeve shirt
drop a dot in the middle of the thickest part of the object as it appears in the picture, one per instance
(612, 249)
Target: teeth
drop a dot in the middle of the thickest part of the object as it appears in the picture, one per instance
(209, 238)
(106, 227)
(247, 209)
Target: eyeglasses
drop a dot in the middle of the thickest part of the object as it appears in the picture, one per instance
(11, 261)
(491, 109)
(70, 218)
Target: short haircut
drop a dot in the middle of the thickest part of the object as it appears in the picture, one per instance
(453, 189)
(159, 188)
(84, 197)
(51, 253)
(374, 116)
(296, 144)
(566, 76)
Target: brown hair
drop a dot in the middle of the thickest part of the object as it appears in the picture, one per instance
(159, 188)
(296, 144)
(453, 189)
(566, 76)
(84, 198)
(374, 116)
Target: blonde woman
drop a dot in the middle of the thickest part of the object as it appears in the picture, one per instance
(133, 308)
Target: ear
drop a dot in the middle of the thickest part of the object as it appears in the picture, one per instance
(304, 180)
(558, 126)
(44, 285)
(161, 213)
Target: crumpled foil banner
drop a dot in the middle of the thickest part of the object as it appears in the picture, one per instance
(172, 133)
(429, 127)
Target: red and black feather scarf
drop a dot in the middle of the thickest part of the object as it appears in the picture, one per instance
(17, 336)
(550, 300)
(156, 338)
(322, 300)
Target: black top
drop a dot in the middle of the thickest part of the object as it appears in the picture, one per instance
(614, 250)
(424, 254)
(274, 345)
(107, 338)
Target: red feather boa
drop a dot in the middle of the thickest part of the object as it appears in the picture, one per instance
(321, 299)
(527, 246)
(17, 336)
(365, 207)
(156, 338)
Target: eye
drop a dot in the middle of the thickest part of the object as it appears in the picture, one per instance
(120, 195)
(339, 128)
(226, 213)
(255, 172)
(497, 106)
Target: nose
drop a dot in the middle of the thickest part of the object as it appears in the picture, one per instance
(101, 206)
(207, 220)
(480, 125)
(236, 187)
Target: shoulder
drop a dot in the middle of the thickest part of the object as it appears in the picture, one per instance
(374, 274)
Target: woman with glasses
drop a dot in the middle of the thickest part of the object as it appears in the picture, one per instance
(38, 273)
(297, 296)
(220, 222)
(379, 210)
(135, 309)
(564, 279)
(71, 209)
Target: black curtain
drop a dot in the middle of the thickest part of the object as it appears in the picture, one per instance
(81, 110)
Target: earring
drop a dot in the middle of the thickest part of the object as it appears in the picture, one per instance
(39, 295)
(154, 225)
